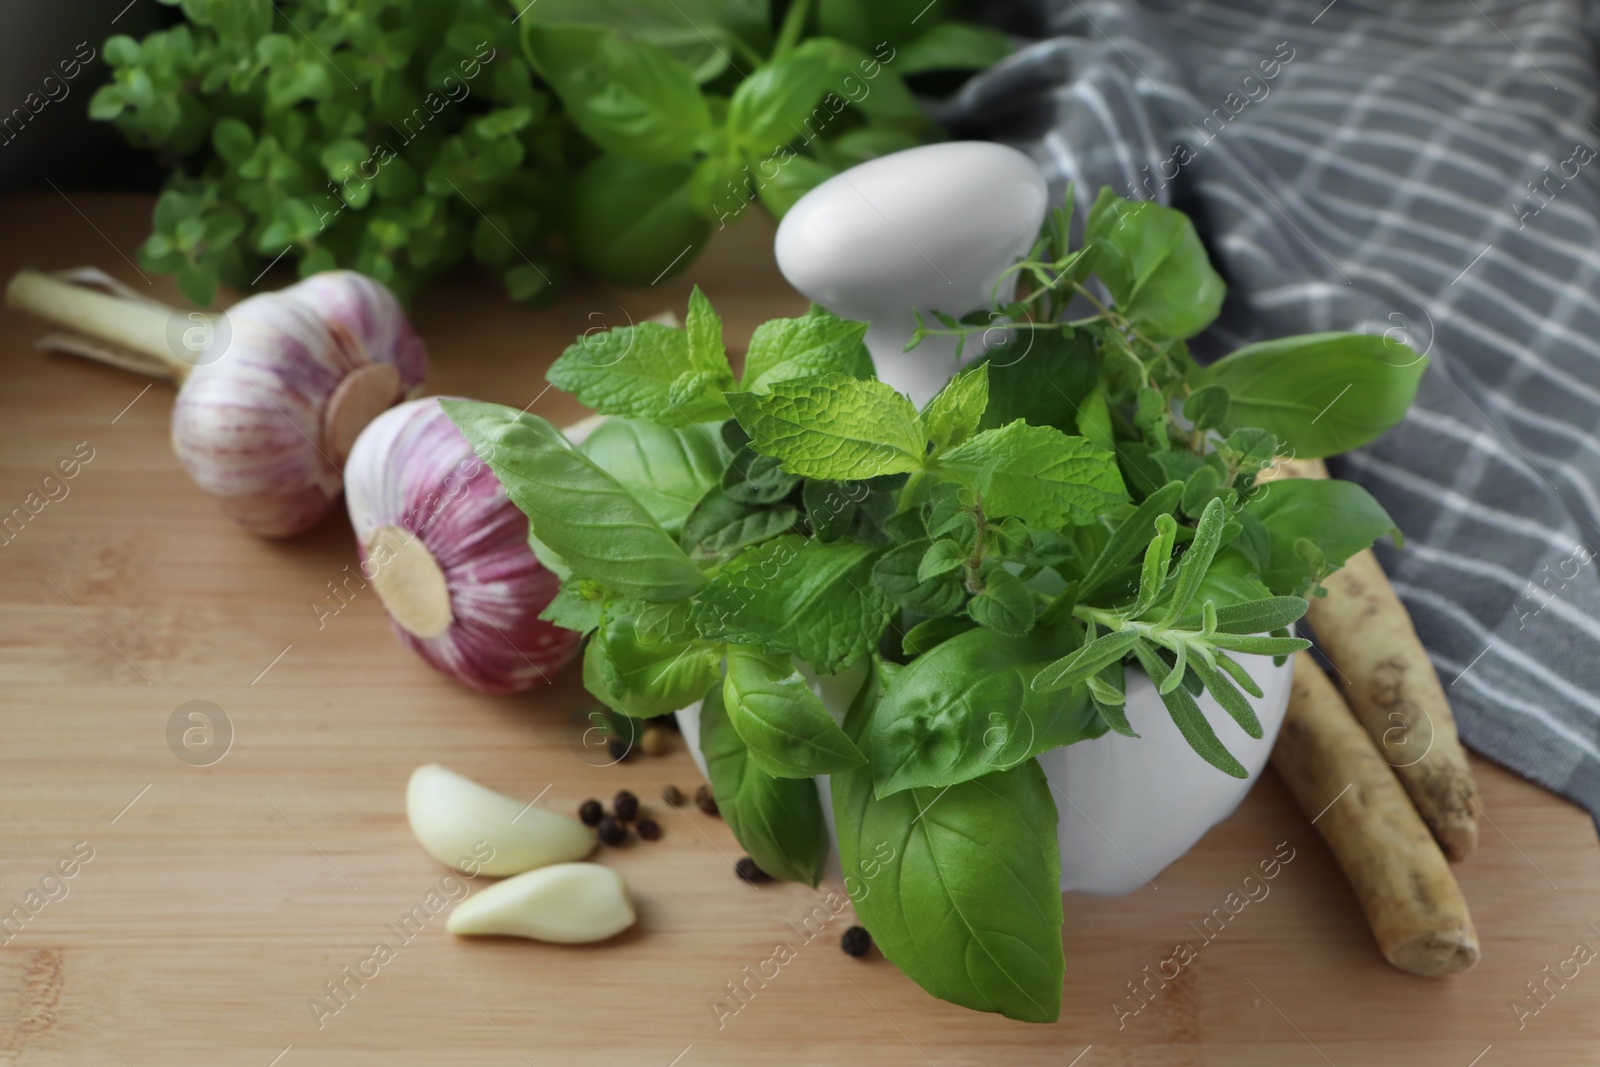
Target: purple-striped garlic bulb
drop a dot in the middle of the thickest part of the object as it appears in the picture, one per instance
(271, 393)
(448, 553)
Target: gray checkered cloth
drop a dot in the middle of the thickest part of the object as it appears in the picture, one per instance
(1427, 168)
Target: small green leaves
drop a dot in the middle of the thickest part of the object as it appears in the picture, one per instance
(816, 343)
(1004, 604)
(781, 721)
(1036, 473)
(833, 426)
(1322, 393)
(1152, 261)
(955, 413)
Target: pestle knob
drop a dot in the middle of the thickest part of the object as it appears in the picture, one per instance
(929, 228)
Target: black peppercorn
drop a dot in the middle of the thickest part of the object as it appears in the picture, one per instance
(618, 749)
(626, 806)
(590, 812)
(856, 941)
(672, 795)
(612, 832)
(705, 800)
(746, 869)
(649, 829)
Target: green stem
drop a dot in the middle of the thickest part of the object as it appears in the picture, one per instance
(794, 23)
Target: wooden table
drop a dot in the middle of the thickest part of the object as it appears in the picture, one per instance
(220, 899)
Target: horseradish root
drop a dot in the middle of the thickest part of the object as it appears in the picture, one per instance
(474, 829)
(271, 393)
(448, 554)
(1392, 687)
(1406, 888)
(568, 903)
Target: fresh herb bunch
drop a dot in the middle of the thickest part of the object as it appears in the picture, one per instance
(989, 565)
(398, 137)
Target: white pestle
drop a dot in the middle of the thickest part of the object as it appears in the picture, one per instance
(930, 228)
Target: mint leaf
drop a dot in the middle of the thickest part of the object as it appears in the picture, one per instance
(1036, 473)
(954, 414)
(809, 599)
(703, 326)
(629, 371)
(833, 426)
(931, 860)
(818, 342)
(777, 820)
(667, 469)
(579, 511)
(788, 733)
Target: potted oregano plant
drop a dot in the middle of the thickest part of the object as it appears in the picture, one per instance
(1009, 556)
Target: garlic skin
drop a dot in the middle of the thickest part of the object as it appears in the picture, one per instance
(266, 426)
(271, 392)
(453, 817)
(448, 554)
(568, 903)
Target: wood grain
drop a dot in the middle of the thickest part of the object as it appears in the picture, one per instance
(220, 899)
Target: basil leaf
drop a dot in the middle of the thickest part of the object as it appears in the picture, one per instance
(634, 223)
(809, 599)
(795, 177)
(787, 731)
(1036, 473)
(968, 707)
(770, 105)
(816, 343)
(833, 426)
(953, 46)
(569, 609)
(955, 413)
(629, 371)
(932, 632)
(1004, 605)
(994, 899)
(1320, 393)
(777, 820)
(626, 95)
(635, 676)
(1154, 266)
(719, 524)
(575, 508)
(1339, 518)
(1044, 386)
(694, 32)
(667, 469)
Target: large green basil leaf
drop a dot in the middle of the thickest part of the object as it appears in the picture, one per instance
(781, 721)
(1036, 473)
(777, 820)
(817, 342)
(968, 707)
(667, 469)
(1320, 393)
(626, 95)
(1338, 518)
(1153, 263)
(833, 426)
(810, 599)
(953, 46)
(770, 106)
(634, 223)
(694, 32)
(968, 904)
(576, 509)
(629, 673)
(1041, 377)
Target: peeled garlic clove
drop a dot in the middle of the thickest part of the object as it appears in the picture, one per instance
(567, 904)
(454, 818)
(448, 553)
(272, 392)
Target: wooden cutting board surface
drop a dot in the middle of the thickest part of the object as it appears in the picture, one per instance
(218, 900)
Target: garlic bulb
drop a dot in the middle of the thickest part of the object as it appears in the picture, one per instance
(472, 828)
(568, 903)
(272, 392)
(448, 553)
